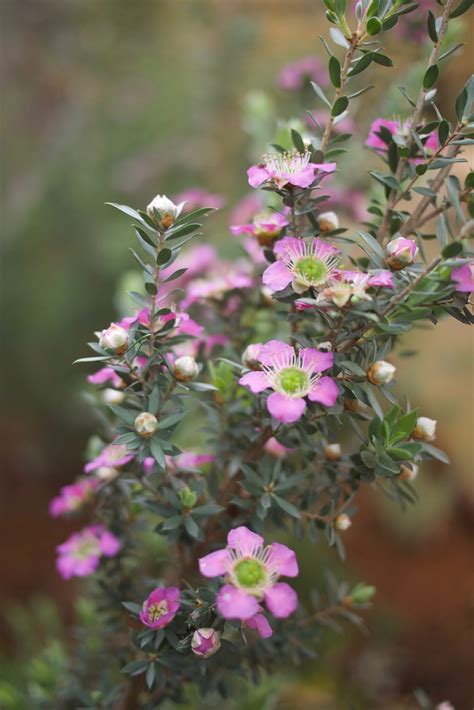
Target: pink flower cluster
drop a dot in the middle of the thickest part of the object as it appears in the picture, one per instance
(80, 555)
(73, 497)
(294, 169)
(400, 130)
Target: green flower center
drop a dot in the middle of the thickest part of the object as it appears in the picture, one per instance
(311, 270)
(249, 573)
(155, 611)
(86, 549)
(293, 380)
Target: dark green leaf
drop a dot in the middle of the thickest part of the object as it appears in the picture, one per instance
(451, 250)
(340, 106)
(335, 71)
(431, 76)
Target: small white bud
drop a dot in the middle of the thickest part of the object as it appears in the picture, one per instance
(146, 424)
(342, 522)
(112, 396)
(106, 473)
(425, 429)
(332, 452)
(250, 356)
(185, 368)
(409, 474)
(381, 372)
(325, 347)
(166, 209)
(114, 338)
(328, 221)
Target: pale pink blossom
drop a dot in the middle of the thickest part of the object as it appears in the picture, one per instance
(160, 607)
(80, 555)
(294, 169)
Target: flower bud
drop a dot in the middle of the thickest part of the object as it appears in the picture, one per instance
(407, 473)
(362, 593)
(328, 221)
(401, 252)
(146, 424)
(326, 347)
(106, 473)
(332, 452)
(425, 429)
(185, 368)
(205, 642)
(250, 356)
(163, 211)
(188, 497)
(114, 338)
(381, 372)
(112, 396)
(342, 522)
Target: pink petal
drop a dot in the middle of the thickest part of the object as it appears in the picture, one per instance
(325, 391)
(234, 603)
(289, 244)
(215, 564)
(285, 409)
(238, 229)
(324, 167)
(109, 544)
(316, 359)
(302, 179)
(382, 278)
(274, 351)
(277, 276)
(260, 623)
(257, 174)
(244, 540)
(281, 600)
(255, 381)
(283, 560)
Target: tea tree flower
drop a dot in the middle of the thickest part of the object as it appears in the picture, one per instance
(73, 497)
(292, 377)
(266, 227)
(401, 252)
(160, 607)
(303, 264)
(425, 429)
(400, 130)
(113, 456)
(251, 571)
(342, 522)
(80, 555)
(328, 222)
(105, 374)
(163, 211)
(114, 338)
(463, 277)
(185, 368)
(381, 372)
(295, 169)
(146, 424)
(332, 452)
(205, 642)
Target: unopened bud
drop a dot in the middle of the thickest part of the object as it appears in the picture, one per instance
(407, 473)
(425, 429)
(106, 473)
(362, 593)
(112, 396)
(114, 338)
(401, 252)
(250, 356)
(342, 522)
(328, 222)
(205, 642)
(185, 368)
(146, 424)
(381, 372)
(163, 211)
(332, 452)
(325, 347)
(188, 497)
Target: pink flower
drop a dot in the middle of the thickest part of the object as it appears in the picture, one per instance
(73, 497)
(295, 75)
(205, 642)
(266, 227)
(216, 286)
(194, 198)
(463, 277)
(304, 264)
(160, 607)
(401, 252)
(292, 377)
(252, 570)
(80, 555)
(401, 131)
(113, 456)
(274, 448)
(106, 374)
(288, 169)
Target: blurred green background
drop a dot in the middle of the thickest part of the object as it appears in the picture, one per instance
(118, 100)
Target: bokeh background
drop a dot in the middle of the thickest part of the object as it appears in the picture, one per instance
(118, 100)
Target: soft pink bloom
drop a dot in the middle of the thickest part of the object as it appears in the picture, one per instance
(302, 263)
(246, 208)
(106, 374)
(400, 130)
(381, 277)
(260, 623)
(216, 286)
(274, 448)
(288, 169)
(401, 252)
(183, 323)
(113, 456)
(80, 555)
(266, 226)
(295, 75)
(463, 277)
(160, 607)
(73, 497)
(194, 198)
(292, 377)
(251, 571)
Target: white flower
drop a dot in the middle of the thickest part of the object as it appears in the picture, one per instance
(166, 209)
(112, 396)
(425, 429)
(146, 424)
(381, 372)
(328, 221)
(342, 522)
(185, 368)
(114, 338)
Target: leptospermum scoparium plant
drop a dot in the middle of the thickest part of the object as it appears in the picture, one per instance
(291, 425)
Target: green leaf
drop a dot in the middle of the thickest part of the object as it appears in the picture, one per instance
(286, 506)
(126, 415)
(461, 102)
(297, 141)
(134, 608)
(362, 64)
(191, 527)
(135, 667)
(431, 76)
(172, 523)
(382, 59)
(150, 676)
(163, 256)
(334, 68)
(451, 250)
(208, 509)
(319, 92)
(182, 230)
(151, 288)
(172, 419)
(386, 179)
(157, 452)
(374, 26)
(463, 7)
(435, 452)
(340, 106)
(432, 27)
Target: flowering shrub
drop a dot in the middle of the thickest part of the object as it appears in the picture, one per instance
(280, 359)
